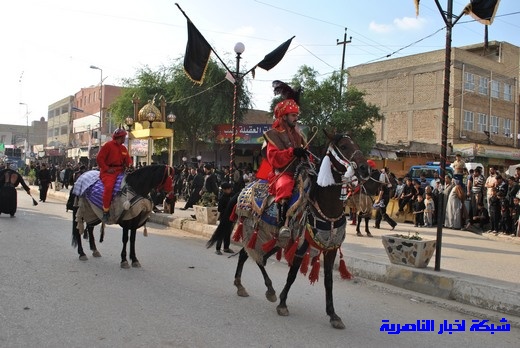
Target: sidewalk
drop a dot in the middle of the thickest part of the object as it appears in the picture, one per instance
(480, 270)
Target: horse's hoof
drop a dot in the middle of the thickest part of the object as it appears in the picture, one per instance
(136, 264)
(96, 253)
(83, 258)
(337, 323)
(283, 311)
(359, 234)
(242, 292)
(125, 265)
(369, 234)
(271, 296)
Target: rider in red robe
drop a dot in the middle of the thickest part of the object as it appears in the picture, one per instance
(113, 158)
(285, 146)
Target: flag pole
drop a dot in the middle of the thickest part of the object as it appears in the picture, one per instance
(212, 50)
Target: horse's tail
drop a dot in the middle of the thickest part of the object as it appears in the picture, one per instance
(75, 231)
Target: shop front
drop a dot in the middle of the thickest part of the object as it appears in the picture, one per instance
(248, 143)
(489, 155)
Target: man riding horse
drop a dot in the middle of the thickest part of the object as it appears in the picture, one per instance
(112, 159)
(284, 149)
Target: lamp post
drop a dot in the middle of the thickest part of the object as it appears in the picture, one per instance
(27, 129)
(100, 101)
(171, 119)
(239, 49)
(129, 121)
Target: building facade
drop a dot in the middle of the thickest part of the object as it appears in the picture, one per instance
(80, 123)
(483, 119)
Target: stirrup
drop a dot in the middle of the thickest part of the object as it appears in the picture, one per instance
(284, 233)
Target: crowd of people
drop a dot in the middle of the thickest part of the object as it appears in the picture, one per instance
(472, 201)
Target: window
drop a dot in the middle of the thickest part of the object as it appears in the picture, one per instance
(482, 122)
(507, 127)
(508, 92)
(483, 86)
(495, 89)
(468, 120)
(469, 82)
(493, 124)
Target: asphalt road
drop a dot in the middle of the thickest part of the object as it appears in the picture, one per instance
(183, 296)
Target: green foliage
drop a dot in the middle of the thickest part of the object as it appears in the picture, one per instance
(198, 107)
(208, 199)
(415, 236)
(324, 108)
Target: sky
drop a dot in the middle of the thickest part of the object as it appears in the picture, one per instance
(50, 45)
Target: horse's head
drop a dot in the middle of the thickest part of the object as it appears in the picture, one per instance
(345, 156)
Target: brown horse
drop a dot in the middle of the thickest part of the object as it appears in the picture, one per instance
(130, 208)
(316, 219)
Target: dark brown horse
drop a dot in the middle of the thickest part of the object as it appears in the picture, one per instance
(317, 222)
(130, 208)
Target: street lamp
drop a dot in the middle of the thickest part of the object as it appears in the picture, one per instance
(100, 101)
(239, 49)
(27, 129)
(171, 119)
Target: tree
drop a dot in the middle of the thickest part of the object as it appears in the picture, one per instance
(322, 107)
(198, 108)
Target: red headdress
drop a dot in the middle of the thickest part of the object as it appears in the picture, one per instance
(289, 105)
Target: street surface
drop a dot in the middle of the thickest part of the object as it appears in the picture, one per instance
(183, 296)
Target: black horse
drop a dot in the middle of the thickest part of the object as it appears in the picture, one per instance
(317, 223)
(130, 208)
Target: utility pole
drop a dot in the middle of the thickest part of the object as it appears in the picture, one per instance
(344, 43)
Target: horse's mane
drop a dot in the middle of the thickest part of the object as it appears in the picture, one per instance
(144, 179)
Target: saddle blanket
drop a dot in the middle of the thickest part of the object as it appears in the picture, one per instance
(90, 186)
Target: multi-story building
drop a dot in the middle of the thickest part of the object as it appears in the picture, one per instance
(79, 124)
(483, 118)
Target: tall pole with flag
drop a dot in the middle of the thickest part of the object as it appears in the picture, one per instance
(196, 60)
(484, 11)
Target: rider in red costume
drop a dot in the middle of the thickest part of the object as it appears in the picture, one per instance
(285, 145)
(113, 158)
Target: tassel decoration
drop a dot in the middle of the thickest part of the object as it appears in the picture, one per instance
(239, 232)
(145, 232)
(252, 241)
(289, 254)
(343, 270)
(279, 254)
(305, 263)
(233, 216)
(315, 271)
(325, 177)
(269, 245)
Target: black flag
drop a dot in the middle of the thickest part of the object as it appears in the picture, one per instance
(197, 55)
(482, 10)
(276, 56)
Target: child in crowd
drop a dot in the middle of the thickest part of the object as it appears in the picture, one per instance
(223, 231)
(494, 210)
(429, 209)
(515, 215)
(418, 211)
(505, 214)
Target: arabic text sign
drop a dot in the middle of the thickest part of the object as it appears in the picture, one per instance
(245, 133)
(426, 325)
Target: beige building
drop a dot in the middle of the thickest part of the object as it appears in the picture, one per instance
(483, 113)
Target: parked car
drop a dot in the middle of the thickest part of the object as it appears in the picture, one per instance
(428, 169)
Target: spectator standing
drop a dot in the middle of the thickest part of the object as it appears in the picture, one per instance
(494, 210)
(418, 211)
(196, 188)
(491, 182)
(222, 233)
(458, 168)
(429, 209)
(44, 178)
(476, 193)
(454, 206)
